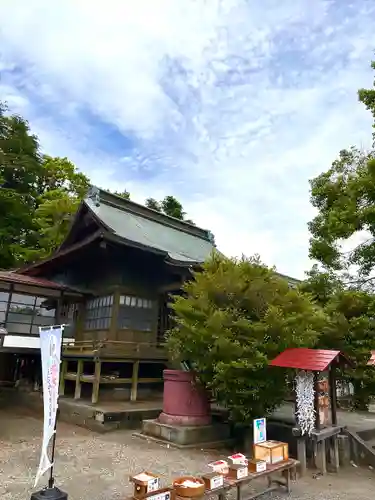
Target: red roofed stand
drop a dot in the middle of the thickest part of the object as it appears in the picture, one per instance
(317, 361)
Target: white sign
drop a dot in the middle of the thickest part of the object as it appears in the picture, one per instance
(259, 430)
(260, 466)
(153, 485)
(50, 349)
(166, 495)
(216, 482)
(243, 472)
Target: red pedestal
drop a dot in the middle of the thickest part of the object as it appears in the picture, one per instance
(184, 402)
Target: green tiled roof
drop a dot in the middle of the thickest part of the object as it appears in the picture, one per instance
(183, 243)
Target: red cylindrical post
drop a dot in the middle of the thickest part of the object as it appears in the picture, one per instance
(185, 402)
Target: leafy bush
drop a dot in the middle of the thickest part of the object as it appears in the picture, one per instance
(233, 318)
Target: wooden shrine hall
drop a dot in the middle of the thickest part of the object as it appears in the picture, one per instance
(125, 260)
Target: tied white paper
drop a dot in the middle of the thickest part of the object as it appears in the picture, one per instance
(305, 396)
(50, 349)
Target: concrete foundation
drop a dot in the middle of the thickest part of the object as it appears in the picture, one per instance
(103, 417)
(186, 435)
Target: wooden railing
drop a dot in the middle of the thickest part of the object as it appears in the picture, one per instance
(115, 348)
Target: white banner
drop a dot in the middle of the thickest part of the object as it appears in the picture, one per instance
(50, 349)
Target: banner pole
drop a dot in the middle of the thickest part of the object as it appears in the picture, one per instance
(51, 480)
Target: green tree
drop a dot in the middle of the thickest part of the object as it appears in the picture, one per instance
(367, 97)
(350, 328)
(169, 206)
(122, 194)
(172, 207)
(61, 189)
(20, 170)
(153, 204)
(345, 199)
(234, 317)
(38, 195)
(322, 285)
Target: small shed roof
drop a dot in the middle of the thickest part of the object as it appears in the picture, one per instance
(371, 361)
(316, 360)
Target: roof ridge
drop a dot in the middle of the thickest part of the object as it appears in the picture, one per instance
(96, 195)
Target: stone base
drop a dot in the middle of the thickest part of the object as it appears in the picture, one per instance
(184, 435)
(185, 420)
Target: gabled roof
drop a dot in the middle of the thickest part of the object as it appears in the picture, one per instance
(317, 360)
(123, 221)
(181, 242)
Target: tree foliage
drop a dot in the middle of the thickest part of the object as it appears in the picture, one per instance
(20, 171)
(322, 285)
(169, 206)
(62, 188)
(343, 241)
(234, 317)
(367, 97)
(122, 194)
(345, 199)
(38, 194)
(350, 328)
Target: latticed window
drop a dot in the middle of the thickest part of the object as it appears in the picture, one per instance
(68, 316)
(99, 313)
(136, 313)
(27, 313)
(4, 297)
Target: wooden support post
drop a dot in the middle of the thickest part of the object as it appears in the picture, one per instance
(77, 392)
(134, 389)
(333, 395)
(334, 453)
(321, 460)
(316, 401)
(96, 384)
(64, 367)
(286, 475)
(301, 455)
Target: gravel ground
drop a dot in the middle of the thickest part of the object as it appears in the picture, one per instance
(94, 467)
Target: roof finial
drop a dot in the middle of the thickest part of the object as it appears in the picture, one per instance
(94, 195)
(211, 238)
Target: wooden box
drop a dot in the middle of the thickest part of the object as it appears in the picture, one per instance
(257, 465)
(272, 452)
(238, 471)
(213, 480)
(145, 483)
(237, 459)
(220, 466)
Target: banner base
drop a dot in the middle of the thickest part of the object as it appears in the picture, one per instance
(49, 494)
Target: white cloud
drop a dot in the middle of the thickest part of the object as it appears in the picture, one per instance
(230, 105)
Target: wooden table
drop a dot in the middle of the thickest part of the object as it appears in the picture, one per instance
(286, 468)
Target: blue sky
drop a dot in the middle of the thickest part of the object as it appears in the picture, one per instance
(231, 105)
